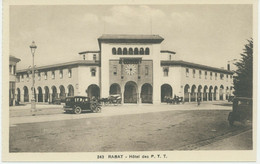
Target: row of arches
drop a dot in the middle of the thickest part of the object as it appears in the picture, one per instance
(206, 93)
(45, 94)
(131, 93)
(130, 51)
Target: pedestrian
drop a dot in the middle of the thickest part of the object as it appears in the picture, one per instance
(198, 101)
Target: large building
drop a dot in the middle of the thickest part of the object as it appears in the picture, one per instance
(133, 66)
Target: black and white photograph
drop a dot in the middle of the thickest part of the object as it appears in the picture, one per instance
(132, 81)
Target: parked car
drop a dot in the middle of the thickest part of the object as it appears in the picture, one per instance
(241, 110)
(78, 104)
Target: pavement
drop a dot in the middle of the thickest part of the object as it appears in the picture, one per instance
(138, 127)
(237, 142)
(46, 113)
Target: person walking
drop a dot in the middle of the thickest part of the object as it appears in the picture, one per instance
(198, 101)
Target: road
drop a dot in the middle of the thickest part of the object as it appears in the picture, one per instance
(129, 128)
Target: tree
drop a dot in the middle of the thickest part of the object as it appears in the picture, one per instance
(243, 79)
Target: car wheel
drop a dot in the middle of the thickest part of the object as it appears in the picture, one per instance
(77, 110)
(98, 109)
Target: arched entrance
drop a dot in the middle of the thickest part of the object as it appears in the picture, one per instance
(130, 94)
(215, 93)
(115, 89)
(205, 96)
(166, 91)
(47, 94)
(227, 93)
(54, 93)
(26, 94)
(147, 93)
(93, 91)
(199, 92)
(193, 93)
(71, 90)
(62, 93)
(18, 99)
(186, 93)
(221, 92)
(40, 96)
(210, 93)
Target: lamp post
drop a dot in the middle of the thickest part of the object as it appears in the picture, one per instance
(33, 105)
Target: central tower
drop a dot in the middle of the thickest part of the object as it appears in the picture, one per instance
(127, 67)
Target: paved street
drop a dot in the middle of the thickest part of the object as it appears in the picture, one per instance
(128, 128)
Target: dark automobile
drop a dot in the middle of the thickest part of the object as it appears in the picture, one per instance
(242, 110)
(78, 104)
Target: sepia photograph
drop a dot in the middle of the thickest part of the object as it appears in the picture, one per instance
(157, 81)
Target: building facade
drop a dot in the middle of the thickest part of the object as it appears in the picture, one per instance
(12, 79)
(133, 66)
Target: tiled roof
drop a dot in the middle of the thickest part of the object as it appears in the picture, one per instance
(111, 38)
(167, 51)
(194, 65)
(13, 58)
(85, 52)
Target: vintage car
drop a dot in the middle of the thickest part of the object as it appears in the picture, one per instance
(241, 110)
(78, 104)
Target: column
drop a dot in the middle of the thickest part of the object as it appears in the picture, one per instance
(196, 96)
(36, 97)
(207, 96)
(50, 100)
(43, 97)
(217, 96)
(189, 96)
(122, 92)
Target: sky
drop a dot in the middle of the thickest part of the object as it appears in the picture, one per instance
(205, 34)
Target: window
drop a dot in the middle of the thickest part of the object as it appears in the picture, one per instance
(69, 73)
(206, 74)
(166, 71)
(187, 72)
(216, 76)
(146, 70)
(125, 51)
(136, 51)
(227, 77)
(53, 75)
(200, 74)
(94, 57)
(114, 70)
(45, 75)
(210, 75)
(18, 79)
(61, 74)
(221, 76)
(114, 51)
(119, 51)
(10, 69)
(93, 72)
(194, 72)
(14, 69)
(141, 51)
(130, 51)
(22, 77)
(147, 51)
(39, 75)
